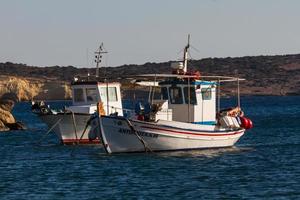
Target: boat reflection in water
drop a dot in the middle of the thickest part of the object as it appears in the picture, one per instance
(206, 153)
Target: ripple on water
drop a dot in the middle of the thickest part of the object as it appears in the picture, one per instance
(264, 164)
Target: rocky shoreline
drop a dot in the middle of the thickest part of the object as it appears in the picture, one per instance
(7, 120)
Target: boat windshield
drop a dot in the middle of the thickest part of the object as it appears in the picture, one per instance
(206, 93)
(189, 96)
(164, 93)
(175, 95)
(91, 95)
(78, 95)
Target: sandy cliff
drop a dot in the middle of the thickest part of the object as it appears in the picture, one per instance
(27, 88)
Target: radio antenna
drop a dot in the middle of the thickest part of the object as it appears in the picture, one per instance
(185, 55)
(98, 57)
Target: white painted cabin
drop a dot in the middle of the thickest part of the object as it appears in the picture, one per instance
(202, 106)
(87, 94)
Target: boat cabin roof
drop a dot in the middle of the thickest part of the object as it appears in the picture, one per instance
(174, 82)
(190, 77)
(96, 83)
(186, 82)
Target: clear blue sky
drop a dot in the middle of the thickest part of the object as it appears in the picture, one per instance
(64, 32)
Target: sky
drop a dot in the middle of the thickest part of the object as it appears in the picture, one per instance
(67, 32)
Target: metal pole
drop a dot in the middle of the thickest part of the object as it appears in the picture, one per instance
(74, 125)
(98, 57)
(134, 97)
(238, 92)
(219, 95)
(189, 99)
(153, 91)
(202, 110)
(107, 98)
(150, 94)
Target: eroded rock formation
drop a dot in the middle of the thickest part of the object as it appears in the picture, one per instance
(7, 120)
(28, 88)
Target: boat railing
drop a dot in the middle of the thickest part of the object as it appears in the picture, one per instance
(129, 113)
(208, 78)
(126, 112)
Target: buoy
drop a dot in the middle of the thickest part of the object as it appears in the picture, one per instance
(250, 124)
(246, 123)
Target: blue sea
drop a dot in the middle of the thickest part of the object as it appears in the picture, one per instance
(264, 164)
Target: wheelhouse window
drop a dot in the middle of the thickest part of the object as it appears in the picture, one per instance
(190, 96)
(103, 94)
(158, 93)
(91, 95)
(175, 95)
(112, 94)
(78, 95)
(206, 93)
(164, 93)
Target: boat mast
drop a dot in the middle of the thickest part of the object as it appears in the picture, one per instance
(185, 55)
(98, 57)
(185, 58)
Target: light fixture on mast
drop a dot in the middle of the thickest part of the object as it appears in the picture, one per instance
(185, 55)
(98, 57)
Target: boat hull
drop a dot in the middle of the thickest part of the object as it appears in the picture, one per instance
(65, 128)
(164, 136)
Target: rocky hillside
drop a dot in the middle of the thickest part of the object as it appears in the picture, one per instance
(265, 75)
(29, 88)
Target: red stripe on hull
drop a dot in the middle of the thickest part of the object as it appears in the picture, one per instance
(190, 133)
(82, 141)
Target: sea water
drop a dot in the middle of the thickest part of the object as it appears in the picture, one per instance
(264, 164)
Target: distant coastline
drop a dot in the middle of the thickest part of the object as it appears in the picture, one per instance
(265, 75)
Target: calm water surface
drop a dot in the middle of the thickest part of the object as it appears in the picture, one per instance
(265, 163)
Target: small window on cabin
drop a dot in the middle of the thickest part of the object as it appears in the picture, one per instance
(112, 94)
(155, 93)
(78, 95)
(103, 94)
(206, 93)
(91, 95)
(164, 93)
(190, 96)
(175, 95)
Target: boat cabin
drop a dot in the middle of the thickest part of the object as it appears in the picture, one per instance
(187, 100)
(87, 94)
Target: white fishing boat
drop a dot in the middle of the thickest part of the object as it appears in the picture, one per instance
(71, 125)
(185, 114)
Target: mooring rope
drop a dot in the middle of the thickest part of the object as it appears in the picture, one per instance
(84, 130)
(74, 125)
(147, 148)
(52, 127)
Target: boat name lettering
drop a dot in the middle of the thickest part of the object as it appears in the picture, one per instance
(140, 133)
